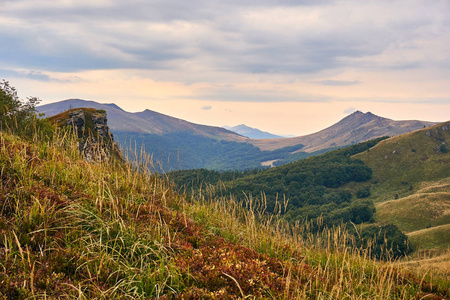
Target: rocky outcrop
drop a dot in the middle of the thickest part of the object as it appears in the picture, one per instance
(439, 133)
(95, 141)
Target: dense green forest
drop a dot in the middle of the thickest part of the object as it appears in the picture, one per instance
(307, 190)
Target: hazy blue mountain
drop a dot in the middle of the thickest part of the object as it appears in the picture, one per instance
(252, 133)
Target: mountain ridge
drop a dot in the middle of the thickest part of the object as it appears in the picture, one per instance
(146, 121)
(203, 146)
(356, 127)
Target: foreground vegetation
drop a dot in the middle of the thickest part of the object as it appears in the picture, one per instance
(72, 229)
(76, 229)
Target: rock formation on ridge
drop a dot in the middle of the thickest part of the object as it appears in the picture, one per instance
(95, 141)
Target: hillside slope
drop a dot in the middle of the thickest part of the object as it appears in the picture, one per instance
(409, 159)
(411, 184)
(72, 229)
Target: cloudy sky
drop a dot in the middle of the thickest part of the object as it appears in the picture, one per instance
(285, 66)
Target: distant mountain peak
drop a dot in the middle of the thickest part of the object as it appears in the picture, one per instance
(354, 128)
(251, 132)
(241, 126)
(360, 113)
(360, 118)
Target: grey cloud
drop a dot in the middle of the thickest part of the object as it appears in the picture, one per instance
(235, 94)
(8, 74)
(38, 76)
(206, 107)
(216, 35)
(5, 74)
(337, 82)
(35, 75)
(148, 10)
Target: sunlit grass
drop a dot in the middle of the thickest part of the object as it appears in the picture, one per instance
(416, 212)
(105, 229)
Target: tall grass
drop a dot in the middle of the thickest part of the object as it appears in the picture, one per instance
(105, 229)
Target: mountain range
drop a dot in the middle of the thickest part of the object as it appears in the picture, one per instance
(179, 144)
(145, 122)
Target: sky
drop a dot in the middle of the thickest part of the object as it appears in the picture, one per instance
(289, 67)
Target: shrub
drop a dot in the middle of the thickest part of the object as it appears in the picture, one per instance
(386, 241)
(19, 116)
(363, 193)
(362, 211)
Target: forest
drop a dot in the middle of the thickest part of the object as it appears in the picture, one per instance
(180, 151)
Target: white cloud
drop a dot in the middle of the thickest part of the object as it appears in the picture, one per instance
(349, 110)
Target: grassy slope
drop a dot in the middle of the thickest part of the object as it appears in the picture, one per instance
(71, 229)
(407, 160)
(411, 184)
